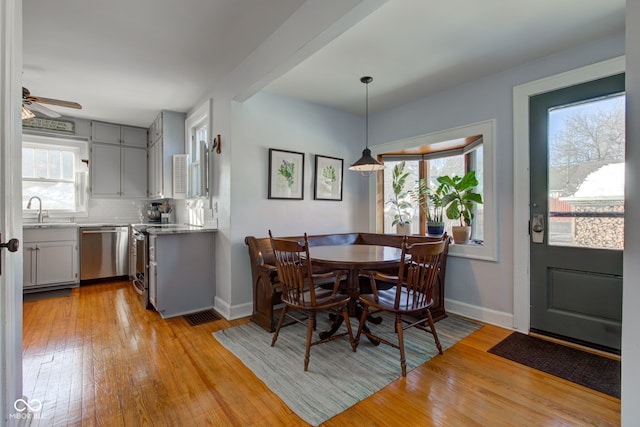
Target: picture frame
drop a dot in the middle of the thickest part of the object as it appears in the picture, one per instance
(286, 174)
(328, 178)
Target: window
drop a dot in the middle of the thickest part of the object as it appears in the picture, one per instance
(197, 146)
(53, 171)
(437, 163)
(449, 152)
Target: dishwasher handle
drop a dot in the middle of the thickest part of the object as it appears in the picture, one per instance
(108, 230)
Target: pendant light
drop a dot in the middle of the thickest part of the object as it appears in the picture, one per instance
(366, 165)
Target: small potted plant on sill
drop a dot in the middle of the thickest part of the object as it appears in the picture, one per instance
(458, 199)
(400, 200)
(430, 202)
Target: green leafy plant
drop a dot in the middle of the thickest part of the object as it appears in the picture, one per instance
(458, 197)
(400, 199)
(429, 200)
(287, 170)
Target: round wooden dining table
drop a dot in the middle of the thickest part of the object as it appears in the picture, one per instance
(353, 258)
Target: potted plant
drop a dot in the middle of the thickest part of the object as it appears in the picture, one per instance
(400, 200)
(458, 199)
(430, 202)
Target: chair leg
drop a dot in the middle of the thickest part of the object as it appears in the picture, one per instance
(310, 328)
(361, 325)
(285, 309)
(347, 322)
(433, 331)
(403, 362)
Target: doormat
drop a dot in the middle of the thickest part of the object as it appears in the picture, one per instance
(590, 370)
(201, 317)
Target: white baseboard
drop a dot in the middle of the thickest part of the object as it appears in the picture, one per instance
(485, 315)
(233, 312)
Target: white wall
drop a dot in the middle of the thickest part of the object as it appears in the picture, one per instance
(484, 289)
(631, 290)
(269, 121)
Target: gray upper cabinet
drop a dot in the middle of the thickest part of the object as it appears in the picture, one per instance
(110, 133)
(118, 161)
(166, 136)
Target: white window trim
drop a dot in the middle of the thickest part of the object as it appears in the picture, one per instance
(197, 118)
(80, 144)
(521, 95)
(488, 251)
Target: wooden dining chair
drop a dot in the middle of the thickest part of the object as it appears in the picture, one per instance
(300, 291)
(410, 299)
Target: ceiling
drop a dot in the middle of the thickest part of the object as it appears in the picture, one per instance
(125, 60)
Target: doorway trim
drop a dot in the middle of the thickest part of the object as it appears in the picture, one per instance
(521, 95)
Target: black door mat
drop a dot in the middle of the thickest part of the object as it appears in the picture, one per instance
(201, 317)
(590, 370)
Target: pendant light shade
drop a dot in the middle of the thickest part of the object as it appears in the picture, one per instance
(366, 165)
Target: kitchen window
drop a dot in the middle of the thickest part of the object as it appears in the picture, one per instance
(52, 170)
(453, 151)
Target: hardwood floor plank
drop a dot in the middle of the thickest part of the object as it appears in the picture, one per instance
(98, 358)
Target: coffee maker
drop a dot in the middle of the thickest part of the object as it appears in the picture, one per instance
(154, 214)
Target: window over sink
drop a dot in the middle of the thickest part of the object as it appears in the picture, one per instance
(53, 170)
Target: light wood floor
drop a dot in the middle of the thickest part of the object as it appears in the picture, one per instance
(97, 358)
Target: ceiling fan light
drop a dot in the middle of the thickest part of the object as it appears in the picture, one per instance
(26, 113)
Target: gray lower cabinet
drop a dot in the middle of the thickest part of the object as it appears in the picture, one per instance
(50, 258)
(181, 273)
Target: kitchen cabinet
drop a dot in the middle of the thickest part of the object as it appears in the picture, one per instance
(118, 171)
(110, 133)
(168, 133)
(118, 161)
(181, 273)
(50, 258)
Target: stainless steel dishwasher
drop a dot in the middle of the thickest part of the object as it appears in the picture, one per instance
(104, 252)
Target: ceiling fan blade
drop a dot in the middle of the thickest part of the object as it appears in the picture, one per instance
(58, 102)
(43, 110)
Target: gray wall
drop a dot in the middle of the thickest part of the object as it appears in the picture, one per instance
(480, 289)
(484, 289)
(631, 290)
(269, 121)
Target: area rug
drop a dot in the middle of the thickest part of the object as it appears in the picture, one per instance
(337, 377)
(587, 369)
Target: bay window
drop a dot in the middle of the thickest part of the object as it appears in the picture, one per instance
(452, 152)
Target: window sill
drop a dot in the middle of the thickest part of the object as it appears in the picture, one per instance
(473, 250)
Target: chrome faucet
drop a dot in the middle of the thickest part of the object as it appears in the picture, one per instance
(40, 210)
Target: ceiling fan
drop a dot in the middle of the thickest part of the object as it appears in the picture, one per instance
(31, 103)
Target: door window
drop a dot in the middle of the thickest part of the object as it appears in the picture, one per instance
(586, 174)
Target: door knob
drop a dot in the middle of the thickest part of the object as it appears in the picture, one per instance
(12, 245)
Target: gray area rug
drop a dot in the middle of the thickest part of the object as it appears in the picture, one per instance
(337, 377)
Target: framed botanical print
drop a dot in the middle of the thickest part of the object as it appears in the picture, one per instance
(286, 174)
(328, 178)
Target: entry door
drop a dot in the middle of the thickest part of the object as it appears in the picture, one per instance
(577, 212)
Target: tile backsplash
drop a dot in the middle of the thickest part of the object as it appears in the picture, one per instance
(114, 210)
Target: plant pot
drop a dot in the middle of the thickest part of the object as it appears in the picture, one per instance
(404, 230)
(435, 228)
(461, 234)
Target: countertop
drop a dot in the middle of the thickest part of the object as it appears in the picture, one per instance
(150, 228)
(173, 228)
